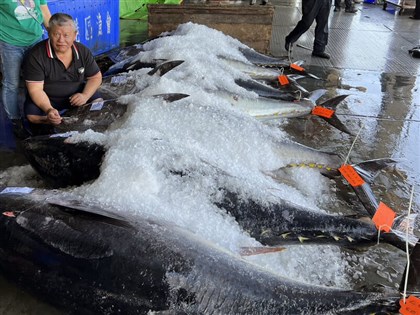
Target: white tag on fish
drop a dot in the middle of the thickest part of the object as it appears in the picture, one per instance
(20, 190)
(64, 134)
(96, 106)
(119, 80)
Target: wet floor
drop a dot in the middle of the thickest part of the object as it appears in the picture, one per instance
(382, 107)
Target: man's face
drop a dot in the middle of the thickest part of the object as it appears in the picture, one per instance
(62, 38)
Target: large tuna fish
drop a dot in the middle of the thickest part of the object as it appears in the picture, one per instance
(90, 261)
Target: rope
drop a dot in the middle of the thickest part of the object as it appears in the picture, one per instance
(352, 145)
(406, 248)
(378, 118)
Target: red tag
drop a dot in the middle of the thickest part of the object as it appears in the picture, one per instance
(283, 80)
(9, 214)
(322, 112)
(411, 306)
(296, 67)
(383, 217)
(350, 174)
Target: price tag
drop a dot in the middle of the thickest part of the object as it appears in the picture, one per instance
(350, 174)
(283, 80)
(96, 106)
(322, 112)
(19, 190)
(383, 217)
(296, 67)
(411, 306)
(119, 80)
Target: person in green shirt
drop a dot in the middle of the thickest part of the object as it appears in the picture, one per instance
(21, 27)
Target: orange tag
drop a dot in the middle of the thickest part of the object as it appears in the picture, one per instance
(411, 306)
(383, 217)
(322, 112)
(283, 79)
(296, 67)
(9, 214)
(350, 174)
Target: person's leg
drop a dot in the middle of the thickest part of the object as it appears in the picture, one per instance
(416, 14)
(350, 7)
(309, 11)
(321, 29)
(34, 113)
(337, 5)
(11, 60)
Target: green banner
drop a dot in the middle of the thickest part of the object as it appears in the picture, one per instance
(137, 9)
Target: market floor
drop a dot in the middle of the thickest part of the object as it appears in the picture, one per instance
(369, 62)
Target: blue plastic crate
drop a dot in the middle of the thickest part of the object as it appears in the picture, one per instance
(97, 21)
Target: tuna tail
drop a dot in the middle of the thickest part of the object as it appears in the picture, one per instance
(333, 120)
(368, 170)
(165, 67)
(412, 284)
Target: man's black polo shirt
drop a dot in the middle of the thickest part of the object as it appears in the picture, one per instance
(42, 64)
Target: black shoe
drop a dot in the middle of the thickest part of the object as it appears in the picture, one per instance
(321, 54)
(415, 17)
(350, 10)
(19, 130)
(336, 9)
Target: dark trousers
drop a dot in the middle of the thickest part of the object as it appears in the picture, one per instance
(313, 10)
(417, 10)
(348, 3)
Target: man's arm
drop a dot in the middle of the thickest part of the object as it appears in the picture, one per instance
(46, 14)
(40, 98)
(92, 84)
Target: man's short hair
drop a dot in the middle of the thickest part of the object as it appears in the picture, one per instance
(61, 19)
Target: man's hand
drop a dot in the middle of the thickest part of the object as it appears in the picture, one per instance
(53, 116)
(78, 99)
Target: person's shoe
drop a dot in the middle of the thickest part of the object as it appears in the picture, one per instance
(19, 130)
(350, 10)
(321, 54)
(413, 17)
(337, 9)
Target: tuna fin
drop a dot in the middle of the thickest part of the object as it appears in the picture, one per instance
(315, 95)
(295, 77)
(165, 67)
(368, 170)
(171, 97)
(93, 209)
(334, 120)
(306, 73)
(249, 251)
(413, 279)
(333, 102)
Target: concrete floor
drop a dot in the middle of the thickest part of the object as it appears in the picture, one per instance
(370, 62)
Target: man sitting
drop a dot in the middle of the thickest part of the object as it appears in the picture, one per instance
(59, 73)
